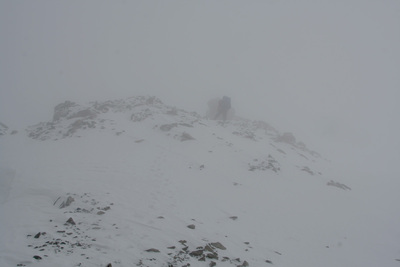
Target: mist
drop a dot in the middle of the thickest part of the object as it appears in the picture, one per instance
(326, 71)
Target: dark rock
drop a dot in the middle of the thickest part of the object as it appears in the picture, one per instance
(212, 264)
(109, 265)
(208, 248)
(36, 257)
(196, 253)
(37, 235)
(100, 212)
(191, 226)
(218, 245)
(268, 261)
(338, 185)
(71, 221)
(185, 137)
(244, 264)
(153, 250)
(233, 218)
(212, 256)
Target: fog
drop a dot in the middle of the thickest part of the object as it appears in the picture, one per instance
(328, 71)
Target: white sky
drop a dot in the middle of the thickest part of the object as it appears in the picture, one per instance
(328, 71)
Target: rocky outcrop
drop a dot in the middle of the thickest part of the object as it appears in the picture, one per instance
(70, 118)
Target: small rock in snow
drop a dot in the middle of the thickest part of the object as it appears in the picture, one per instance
(71, 221)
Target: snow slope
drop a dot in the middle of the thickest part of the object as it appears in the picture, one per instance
(153, 185)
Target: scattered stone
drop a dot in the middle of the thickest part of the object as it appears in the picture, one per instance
(269, 164)
(233, 218)
(173, 247)
(160, 217)
(109, 265)
(37, 235)
(213, 263)
(71, 221)
(191, 226)
(244, 264)
(268, 261)
(36, 257)
(153, 250)
(100, 212)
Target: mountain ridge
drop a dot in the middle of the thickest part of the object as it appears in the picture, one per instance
(70, 119)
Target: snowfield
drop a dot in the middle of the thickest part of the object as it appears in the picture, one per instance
(135, 182)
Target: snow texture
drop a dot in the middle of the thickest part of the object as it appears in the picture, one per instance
(134, 182)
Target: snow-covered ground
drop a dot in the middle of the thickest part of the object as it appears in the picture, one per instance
(153, 185)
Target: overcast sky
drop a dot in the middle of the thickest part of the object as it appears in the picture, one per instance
(328, 71)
